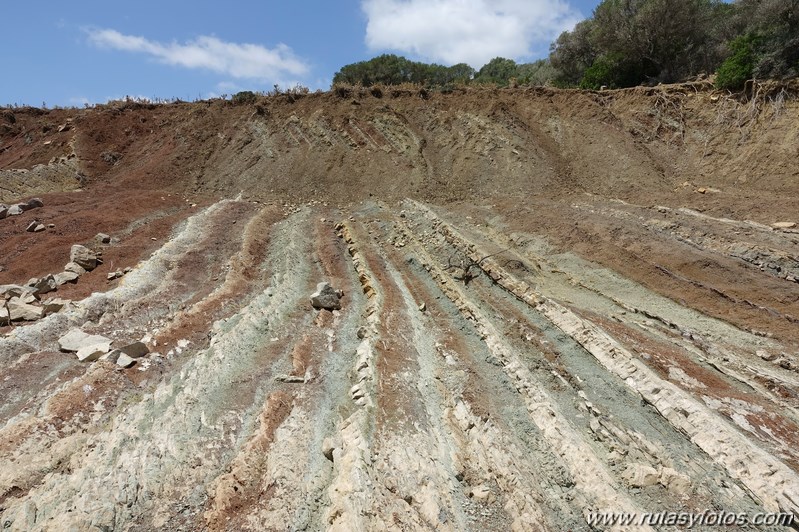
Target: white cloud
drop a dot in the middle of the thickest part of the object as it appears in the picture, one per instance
(466, 31)
(240, 61)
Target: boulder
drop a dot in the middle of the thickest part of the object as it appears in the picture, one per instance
(45, 284)
(35, 203)
(15, 210)
(75, 339)
(66, 277)
(83, 257)
(326, 297)
(90, 353)
(74, 268)
(103, 238)
(135, 350)
(21, 311)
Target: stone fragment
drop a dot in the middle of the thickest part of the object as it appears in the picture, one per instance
(114, 275)
(83, 257)
(676, 483)
(65, 277)
(53, 305)
(32, 226)
(326, 297)
(45, 285)
(74, 268)
(90, 353)
(15, 210)
(328, 446)
(640, 475)
(39, 228)
(112, 356)
(21, 311)
(423, 306)
(103, 238)
(7, 291)
(4, 316)
(125, 361)
(135, 350)
(35, 203)
(75, 339)
(784, 225)
(3, 211)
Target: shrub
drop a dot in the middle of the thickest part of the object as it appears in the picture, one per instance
(244, 97)
(738, 68)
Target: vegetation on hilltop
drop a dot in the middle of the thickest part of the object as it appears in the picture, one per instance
(627, 43)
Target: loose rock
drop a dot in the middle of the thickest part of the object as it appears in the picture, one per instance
(66, 277)
(125, 361)
(326, 297)
(90, 353)
(103, 238)
(75, 339)
(21, 311)
(74, 268)
(45, 285)
(784, 225)
(53, 305)
(15, 210)
(135, 350)
(83, 257)
(35, 203)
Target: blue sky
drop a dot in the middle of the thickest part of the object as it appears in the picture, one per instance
(71, 53)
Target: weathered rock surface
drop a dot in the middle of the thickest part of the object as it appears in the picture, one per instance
(103, 238)
(326, 297)
(83, 257)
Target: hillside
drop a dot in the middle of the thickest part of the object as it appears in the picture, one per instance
(553, 303)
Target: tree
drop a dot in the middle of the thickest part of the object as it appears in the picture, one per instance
(499, 70)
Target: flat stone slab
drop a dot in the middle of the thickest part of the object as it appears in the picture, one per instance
(75, 339)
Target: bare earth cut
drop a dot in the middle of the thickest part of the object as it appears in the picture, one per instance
(483, 310)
